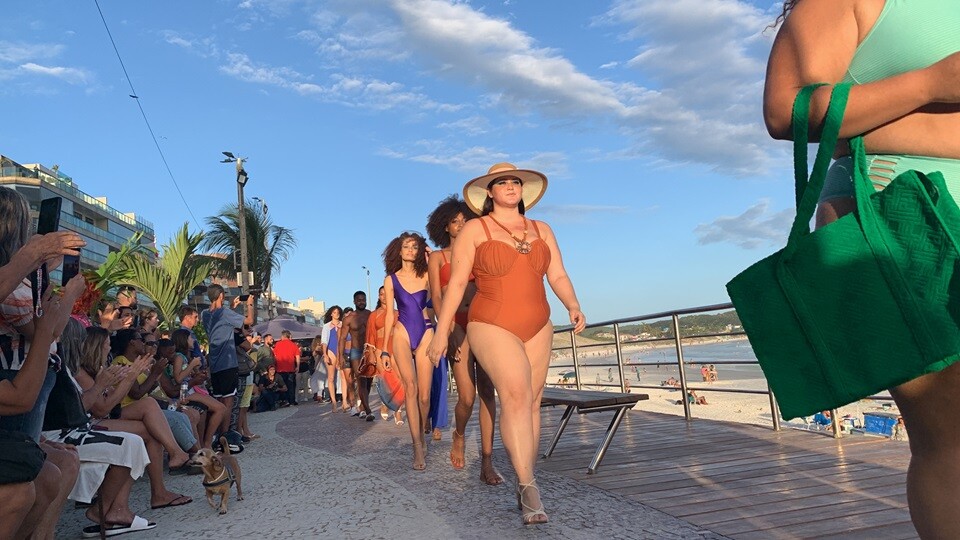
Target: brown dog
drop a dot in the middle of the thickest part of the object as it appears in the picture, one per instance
(220, 471)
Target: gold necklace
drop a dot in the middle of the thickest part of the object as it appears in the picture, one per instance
(523, 247)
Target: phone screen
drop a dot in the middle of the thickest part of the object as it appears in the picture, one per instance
(49, 220)
(70, 268)
(243, 297)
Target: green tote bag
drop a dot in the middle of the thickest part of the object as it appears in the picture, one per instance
(865, 303)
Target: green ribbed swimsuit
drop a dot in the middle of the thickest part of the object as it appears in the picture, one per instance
(908, 35)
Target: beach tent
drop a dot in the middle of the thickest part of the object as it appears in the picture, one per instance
(297, 329)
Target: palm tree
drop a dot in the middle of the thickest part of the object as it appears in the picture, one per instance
(169, 280)
(268, 245)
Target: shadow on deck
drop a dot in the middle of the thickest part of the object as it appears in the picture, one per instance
(743, 481)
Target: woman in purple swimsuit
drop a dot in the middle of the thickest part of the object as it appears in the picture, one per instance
(405, 261)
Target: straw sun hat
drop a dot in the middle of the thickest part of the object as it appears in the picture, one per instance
(534, 185)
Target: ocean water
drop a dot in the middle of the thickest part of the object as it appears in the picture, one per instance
(598, 366)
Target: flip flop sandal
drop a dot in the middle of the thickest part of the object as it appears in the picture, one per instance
(116, 529)
(173, 503)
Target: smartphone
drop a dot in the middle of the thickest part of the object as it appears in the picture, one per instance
(244, 297)
(49, 220)
(70, 268)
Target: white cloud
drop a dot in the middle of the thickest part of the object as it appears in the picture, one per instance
(472, 125)
(17, 53)
(351, 91)
(205, 47)
(755, 227)
(722, 132)
(576, 213)
(67, 74)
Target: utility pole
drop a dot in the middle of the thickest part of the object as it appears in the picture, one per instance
(368, 282)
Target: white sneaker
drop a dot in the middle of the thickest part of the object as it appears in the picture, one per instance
(363, 415)
(354, 411)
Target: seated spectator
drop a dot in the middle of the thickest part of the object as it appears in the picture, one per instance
(271, 388)
(694, 399)
(127, 346)
(168, 396)
(185, 368)
(109, 460)
(823, 419)
(102, 390)
(35, 479)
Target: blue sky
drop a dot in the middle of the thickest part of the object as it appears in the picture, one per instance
(358, 116)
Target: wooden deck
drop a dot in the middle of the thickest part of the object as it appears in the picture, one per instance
(743, 481)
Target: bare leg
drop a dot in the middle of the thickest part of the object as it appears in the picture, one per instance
(332, 379)
(349, 394)
(934, 470)
(403, 362)
(466, 393)
(488, 414)
(115, 493)
(159, 494)
(46, 487)
(67, 462)
(216, 414)
(424, 378)
(148, 411)
(518, 371)
(19, 499)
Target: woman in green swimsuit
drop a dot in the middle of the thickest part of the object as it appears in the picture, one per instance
(902, 57)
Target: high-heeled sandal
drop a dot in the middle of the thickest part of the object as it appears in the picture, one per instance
(529, 514)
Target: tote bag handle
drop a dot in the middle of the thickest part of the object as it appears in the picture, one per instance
(808, 187)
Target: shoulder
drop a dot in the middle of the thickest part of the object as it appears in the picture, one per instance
(543, 228)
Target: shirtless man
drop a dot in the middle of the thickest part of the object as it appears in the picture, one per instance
(355, 324)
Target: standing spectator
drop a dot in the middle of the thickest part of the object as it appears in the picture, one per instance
(188, 319)
(319, 375)
(220, 322)
(287, 355)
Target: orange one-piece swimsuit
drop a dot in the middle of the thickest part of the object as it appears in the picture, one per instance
(510, 292)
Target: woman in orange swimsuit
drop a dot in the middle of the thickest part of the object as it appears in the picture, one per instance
(443, 226)
(509, 325)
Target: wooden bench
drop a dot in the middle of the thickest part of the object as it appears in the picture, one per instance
(589, 401)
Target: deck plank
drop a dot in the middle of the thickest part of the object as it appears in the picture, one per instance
(740, 480)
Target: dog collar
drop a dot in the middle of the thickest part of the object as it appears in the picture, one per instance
(225, 477)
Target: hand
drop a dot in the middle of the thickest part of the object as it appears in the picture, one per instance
(437, 349)
(48, 247)
(60, 446)
(159, 365)
(578, 320)
(111, 375)
(57, 307)
(140, 365)
(235, 302)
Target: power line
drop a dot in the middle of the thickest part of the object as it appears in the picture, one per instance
(136, 97)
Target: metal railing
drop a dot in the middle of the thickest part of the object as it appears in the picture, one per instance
(677, 338)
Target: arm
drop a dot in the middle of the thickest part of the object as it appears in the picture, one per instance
(19, 394)
(433, 280)
(464, 252)
(39, 248)
(560, 281)
(342, 334)
(169, 387)
(140, 389)
(391, 311)
(815, 45)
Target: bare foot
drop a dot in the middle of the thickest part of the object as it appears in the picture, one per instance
(456, 450)
(178, 460)
(437, 434)
(419, 457)
(111, 518)
(488, 474)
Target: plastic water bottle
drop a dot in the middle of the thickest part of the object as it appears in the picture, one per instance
(184, 388)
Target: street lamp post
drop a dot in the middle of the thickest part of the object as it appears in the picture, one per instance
(241, 182)
(266, 247)
(367, 270)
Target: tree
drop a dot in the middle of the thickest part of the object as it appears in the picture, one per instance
(268, 245)
(178, 269)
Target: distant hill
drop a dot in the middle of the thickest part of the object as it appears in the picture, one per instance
(718, 323)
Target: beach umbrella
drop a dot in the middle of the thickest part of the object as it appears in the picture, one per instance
(279, 324)
(569, 374)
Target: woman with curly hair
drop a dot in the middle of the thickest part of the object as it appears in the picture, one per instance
(405, 262)
(328, 352)
(903, 60)
(443, 226)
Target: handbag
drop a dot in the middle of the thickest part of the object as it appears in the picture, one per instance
(65, 406)
(863, 304)
(245, 364)
(368, 363)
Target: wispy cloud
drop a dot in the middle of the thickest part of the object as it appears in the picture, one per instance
(472, 125)
(67, 74)
(755, 227)
(476, 159)
(16, 53)
(205, 47)
(576, 213)
(351, 91)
